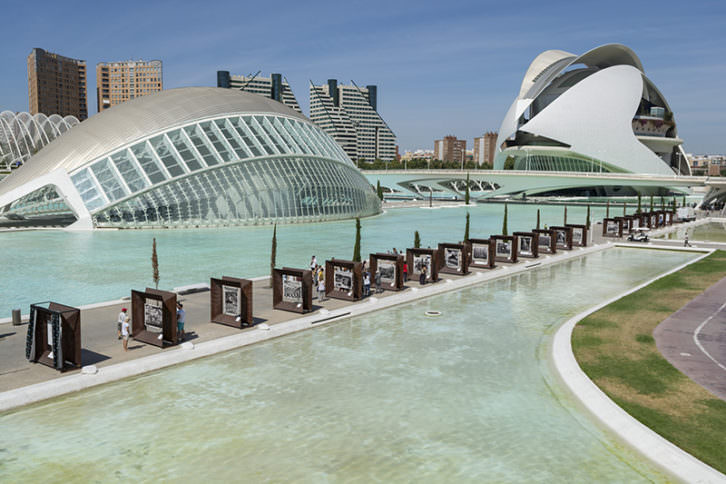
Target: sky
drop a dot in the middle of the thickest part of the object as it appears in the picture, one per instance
(441, 68)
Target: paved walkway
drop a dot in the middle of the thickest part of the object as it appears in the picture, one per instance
(693, 339)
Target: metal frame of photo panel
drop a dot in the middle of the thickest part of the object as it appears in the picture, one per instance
(512, 259)
(168, 322)
(397, 259)
(356, 270)
(491, 264)
(464, 269)
(306, 278)
(568, 236)
(433, 276)
(627, 223)
(585, 234)
(535, 244)
(37, 346)
(216, 302)
(605, 227)
(552, 247)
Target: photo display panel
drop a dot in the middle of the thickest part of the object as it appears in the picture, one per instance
(525, 245)
(231, 300)
(480, 253)
(388, 272)
(503, 248)
(153, 316)
(452, 258)
(292, 289)
(343, 279)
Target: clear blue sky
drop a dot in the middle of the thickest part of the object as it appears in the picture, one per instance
(442, 67)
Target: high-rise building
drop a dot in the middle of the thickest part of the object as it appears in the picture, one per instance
(274, 87)
(56, 85)
(450, 149)
(117, 82)
(485, 149)
(349, 114)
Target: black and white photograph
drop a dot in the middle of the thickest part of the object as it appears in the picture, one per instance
(504, 248)
(342, 279)
(525, 245)
(545, 241)
(421, 261)
(292, 289)
(231, 300)
(561, 237)
(480, 253)
(612, 228)
(636, 223)
(661, 219)
(577, 235)
(452, 258)
(388, 272)
(153, 316)
(653, 220)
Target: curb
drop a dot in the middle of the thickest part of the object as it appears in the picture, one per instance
(662, 452)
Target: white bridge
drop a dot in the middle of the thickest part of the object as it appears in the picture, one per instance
(493, 183)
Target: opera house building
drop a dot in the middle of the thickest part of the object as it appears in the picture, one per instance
(188, 157)
(595, 112)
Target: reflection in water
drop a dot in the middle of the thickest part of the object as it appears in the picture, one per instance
(391, 396)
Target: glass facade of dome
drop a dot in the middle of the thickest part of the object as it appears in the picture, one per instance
(228, 170)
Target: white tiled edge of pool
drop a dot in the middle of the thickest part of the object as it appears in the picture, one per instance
(659, 450)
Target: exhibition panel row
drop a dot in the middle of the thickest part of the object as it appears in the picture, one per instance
(617, 226)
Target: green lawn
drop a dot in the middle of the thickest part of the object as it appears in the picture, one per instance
(616, 349)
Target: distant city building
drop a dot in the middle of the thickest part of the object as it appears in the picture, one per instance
(711, 164)
(273, 87)
(485, 149)
(418, 155)
(450, 149)
(117, 82)
(56, 85)
(350, 115)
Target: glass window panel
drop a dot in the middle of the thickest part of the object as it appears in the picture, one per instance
(217, 141)
(230, 134)
(246, 136)
(255, 130)
(296, 126)
(108, 180)
(148, 163)
(128, 170)
(87, 188)
(197, 138)
(272, 134)
(166, 155)
(284, 131)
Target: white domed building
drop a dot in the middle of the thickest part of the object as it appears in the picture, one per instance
(189, 157)
(595, 112)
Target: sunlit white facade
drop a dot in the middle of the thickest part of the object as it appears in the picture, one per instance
(596, 112)
(24, 134)
(192, 157)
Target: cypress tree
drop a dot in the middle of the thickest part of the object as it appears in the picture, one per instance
(607, 209)
(466, 228)
(273, 253)
(431, 197)
(416, 240)
(683, 203)
(155, 264)
(662, 203)
(587, 219)
(625, 209)
(537, 219)
(651, 203)
(565, 215)
(466, 194)
(356, 247)
(639, 206)
(504, 224)
(379, 190)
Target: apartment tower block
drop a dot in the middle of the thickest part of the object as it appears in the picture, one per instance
(485, 149)
(56, 85)
(450, 149)
(274, 87)
(117, 82)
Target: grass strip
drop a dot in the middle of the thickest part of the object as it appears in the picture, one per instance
(616, 349)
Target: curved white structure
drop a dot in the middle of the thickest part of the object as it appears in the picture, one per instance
(23, 134)
(190, 157)
(596, 112)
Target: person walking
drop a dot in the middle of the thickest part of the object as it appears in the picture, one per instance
(422, 277)
(378, 281)
(321, 290)
(366, 284)
(180, 319)
(126, 332)
(405, 271)
(685, 242)
(120, 321)
(313, 263)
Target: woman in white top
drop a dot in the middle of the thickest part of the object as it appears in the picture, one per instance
(125, 332)
(321, 290)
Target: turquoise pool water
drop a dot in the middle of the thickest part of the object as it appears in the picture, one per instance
(712, 232)
(390, 397)
(87, 267)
